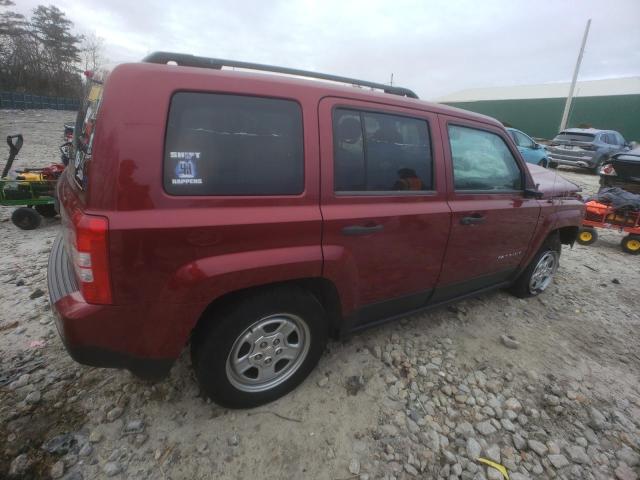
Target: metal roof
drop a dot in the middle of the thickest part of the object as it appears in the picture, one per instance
(587, 88)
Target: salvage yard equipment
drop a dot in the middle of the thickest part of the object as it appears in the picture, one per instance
(30, 189)
(599, 215)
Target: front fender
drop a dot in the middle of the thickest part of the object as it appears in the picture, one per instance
(555, 214)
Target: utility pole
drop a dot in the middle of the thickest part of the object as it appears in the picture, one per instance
(567, 105)
(391, 82)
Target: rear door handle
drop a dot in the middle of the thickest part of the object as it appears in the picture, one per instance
(352, 230)
(473, 219)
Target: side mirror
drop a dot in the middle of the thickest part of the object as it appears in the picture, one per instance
(533, 193)
(537, 146)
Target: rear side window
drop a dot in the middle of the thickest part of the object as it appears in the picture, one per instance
(482, 161)
(574, 137)
(220, 144)
(380, 152)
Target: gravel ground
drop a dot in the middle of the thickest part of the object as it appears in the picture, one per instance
(548, 387)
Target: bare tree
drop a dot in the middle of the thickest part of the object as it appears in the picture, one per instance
(93, 52)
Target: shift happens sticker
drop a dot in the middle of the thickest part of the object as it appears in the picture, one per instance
(186, 168)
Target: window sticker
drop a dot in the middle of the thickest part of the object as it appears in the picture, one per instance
(186, 168)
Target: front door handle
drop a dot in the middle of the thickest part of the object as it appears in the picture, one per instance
(352, 230)
(473, 219)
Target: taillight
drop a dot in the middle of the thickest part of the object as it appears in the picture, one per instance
(91, 257)
(608, 170)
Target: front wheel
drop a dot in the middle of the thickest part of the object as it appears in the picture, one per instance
(631, 244)
(552, 164)
(259, 348)
(539, 274)
(543, 163)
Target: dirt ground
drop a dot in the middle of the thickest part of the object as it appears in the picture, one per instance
(423, 397)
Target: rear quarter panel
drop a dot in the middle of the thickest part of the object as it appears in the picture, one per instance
(191, 249)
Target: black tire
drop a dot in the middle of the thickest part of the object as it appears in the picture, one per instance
(544, 163)
(213, 342)
(587, 236)
(522, 286)
(631, 244)
(26, 218)
(552, 165)
(47, 210)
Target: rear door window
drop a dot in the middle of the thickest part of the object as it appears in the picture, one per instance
(219, 144)
(482, 161)
(379, 152)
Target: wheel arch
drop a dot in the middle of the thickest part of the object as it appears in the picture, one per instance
(566, 235)
(321, 288)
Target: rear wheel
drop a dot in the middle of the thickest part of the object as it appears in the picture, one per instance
(539, 274)
(259, 348)
(26, 218)
(47, 210)
(631, 244)
(587, 236)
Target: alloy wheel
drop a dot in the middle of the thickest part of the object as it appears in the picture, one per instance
(544, 271)
(268, 352)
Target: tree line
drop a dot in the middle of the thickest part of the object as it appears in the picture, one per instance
(41, 54)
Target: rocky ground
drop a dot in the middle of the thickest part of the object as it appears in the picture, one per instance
(547, 387)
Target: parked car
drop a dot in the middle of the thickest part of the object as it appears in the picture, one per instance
(585, 147)
(252, 216)
(531, 151)
(622, 170)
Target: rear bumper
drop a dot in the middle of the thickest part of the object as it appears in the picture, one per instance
(573, 160)
(99, 335)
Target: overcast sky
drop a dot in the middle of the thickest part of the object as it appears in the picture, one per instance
(434, 47)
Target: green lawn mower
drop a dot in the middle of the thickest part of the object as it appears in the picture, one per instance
(30, 189)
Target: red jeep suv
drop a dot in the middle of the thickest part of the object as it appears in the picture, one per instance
(254, 215)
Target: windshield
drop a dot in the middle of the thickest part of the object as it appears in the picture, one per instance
(574, 137)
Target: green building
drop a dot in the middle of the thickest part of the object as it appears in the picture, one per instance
(612, 104)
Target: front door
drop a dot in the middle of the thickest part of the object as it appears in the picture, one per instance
(492, 221)
(526, 146)
(385, 215)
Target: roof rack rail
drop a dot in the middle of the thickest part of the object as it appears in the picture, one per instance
(187, 60)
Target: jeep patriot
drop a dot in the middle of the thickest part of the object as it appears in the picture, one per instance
(252, 216)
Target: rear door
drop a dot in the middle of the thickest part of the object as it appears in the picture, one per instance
(385, 216)
(492, 222)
